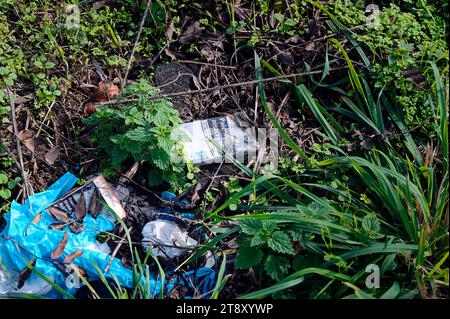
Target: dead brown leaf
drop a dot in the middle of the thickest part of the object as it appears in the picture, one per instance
(272, 19)
(76, 227)
(32, 143)
(23, 99)
(52, 155)
(60, 249)
(59, 214)
(169, 32)
(80, 209)
(106, 91)
(25, 135)
(193, 32)
(170, 54)
(72, 256)
(310, 46)
(99, 4)
(222, 195)
(94, 207)
(286, 58)
(25, 274)
(58, 225)
(89, 108)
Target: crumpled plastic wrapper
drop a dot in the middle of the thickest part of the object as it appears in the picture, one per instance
(22, 240)
(33, 285)
(160, 234)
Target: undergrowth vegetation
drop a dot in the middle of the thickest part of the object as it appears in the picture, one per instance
(145, 130)
(398, 222)
(403, 36)
(367, 191)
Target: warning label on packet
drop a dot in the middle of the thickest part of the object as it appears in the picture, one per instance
(227, 138)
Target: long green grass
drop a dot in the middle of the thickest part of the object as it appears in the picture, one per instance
(407, 190)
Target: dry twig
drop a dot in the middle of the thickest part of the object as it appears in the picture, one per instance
(220, 87)
(135, 43)
(26, 187)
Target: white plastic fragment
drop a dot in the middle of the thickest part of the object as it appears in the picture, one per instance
(101, 248)
(210, 260)
(33, 285)
(160, 234)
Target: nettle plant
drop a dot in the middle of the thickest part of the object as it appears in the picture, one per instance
(144, 130)
(277, 246)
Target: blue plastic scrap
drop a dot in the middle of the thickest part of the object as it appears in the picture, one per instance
(169, 197)
(22, 240)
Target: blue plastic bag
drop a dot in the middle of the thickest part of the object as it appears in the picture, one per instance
(22, 240)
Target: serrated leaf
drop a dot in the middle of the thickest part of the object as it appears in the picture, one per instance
(259, 239)
(160, 158)
(251, 226)
(161, 119)
(371, 225)
(280, 242)
(165, 143)
(118, 155)
(296, 232)
(270, 226)
(276, 267)
(139, 134)
(248, 257)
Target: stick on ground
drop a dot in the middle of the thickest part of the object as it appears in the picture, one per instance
(26, 189)
(135, 43)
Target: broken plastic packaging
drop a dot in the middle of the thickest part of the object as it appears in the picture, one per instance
(162, 235)
(22, 240)
(230, 133)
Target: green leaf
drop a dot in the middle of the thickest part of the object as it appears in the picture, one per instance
(13, 183)
(139, 134)
(165, 143)
(118, 155)
(305, 95)
(155, 177)
(276, 267)
(160, 158)
(5, 193)
(392, 292)
(296, 232)
(3, 178)
(248, 257)
(280, 242)
(161, 119)
(259, 239)
(269, 225)
(272, 118)
(251, 226)
(371, 225)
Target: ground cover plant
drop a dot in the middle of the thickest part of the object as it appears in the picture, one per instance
(357, 206)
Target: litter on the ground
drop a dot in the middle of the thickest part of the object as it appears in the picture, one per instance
(40, 234)
(163, 237)
(231, 133)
